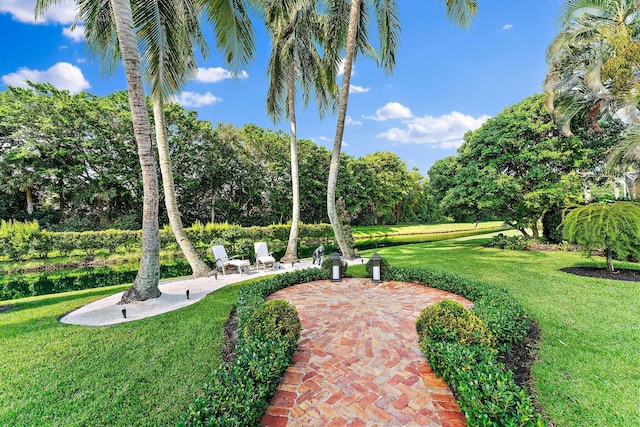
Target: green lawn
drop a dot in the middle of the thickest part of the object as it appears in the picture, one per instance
(148, 371)
(384, 230)
(588, 372)
(140, 373)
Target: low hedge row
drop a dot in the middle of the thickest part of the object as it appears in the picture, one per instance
(238, 393)
(39, 243)
(87, 279)
(485, 391)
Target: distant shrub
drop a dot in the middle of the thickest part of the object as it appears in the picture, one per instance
(16, 236)
(450, 321)
(507, 242)
(552, 225)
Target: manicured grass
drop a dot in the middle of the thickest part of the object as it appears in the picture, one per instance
(145, 372)
(385, 230)
(587, 373)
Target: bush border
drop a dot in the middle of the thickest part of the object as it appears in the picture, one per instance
(484, 389)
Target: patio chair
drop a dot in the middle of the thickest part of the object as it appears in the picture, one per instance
(264, 258)
(223, 263)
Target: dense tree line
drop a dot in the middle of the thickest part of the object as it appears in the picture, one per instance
(518, 166)
(69, 161)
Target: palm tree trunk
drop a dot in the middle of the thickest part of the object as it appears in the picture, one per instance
(354, 16)
(291, 254)
(198, 267)
(145, 285)
(29, 196)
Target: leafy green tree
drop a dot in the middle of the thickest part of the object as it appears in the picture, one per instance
(515, 166)
(613, 227)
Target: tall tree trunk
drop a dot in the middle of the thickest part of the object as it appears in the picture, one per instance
(354, 16)
(291, 254)
(198, 267)
(213, 208)
(145, 285)
(29, 196)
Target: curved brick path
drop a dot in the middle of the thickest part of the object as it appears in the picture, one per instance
(358, 361)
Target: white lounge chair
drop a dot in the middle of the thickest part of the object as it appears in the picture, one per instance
(263, 257)
(223, 263)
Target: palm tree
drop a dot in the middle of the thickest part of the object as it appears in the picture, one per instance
(388, 27)
(297, 31)
(169, 32)
(594, 61)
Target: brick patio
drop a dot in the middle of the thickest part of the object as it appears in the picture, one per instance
(358, 361)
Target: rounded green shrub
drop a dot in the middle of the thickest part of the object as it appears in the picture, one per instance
(274, 319)
(449, 320)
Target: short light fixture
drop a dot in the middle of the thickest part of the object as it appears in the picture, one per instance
(187, 293)
(335, 267)
(124, 313)
(215, 273)
(375, 267)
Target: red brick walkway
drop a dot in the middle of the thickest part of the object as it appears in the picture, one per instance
(358, 361)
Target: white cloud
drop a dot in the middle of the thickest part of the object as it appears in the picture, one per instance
(392, 110)
(350, 122)
(324, 139)
(195, 100)
(507, 27)
(77, 35)
(23, 11)
(62, 75)
(217, 74)
(358, 89)
(443, 132)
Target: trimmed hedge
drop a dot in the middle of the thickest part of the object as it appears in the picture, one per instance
(85, 279)
(485, 391)
(238, 393)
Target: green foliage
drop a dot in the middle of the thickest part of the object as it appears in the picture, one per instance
(613, 227)
(517, 165)
(486, 393)
(458, 349)
(16, 237)
(449, 320)
(238, 393)
(552, 225)
(509, 242)
(504, 316)
(275, 319)
(49, 283)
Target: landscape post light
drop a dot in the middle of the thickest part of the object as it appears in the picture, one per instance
(124, 313)
(335, 267)
(375, 264)
(187, 293)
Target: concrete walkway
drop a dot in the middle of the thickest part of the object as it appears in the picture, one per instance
(358, 361)
(106, 311)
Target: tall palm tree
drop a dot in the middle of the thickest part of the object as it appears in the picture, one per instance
(388, 27)
(297, 32)
(594, 61)
(168, 33)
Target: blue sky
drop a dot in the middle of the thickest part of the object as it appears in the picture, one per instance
(446, 81)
